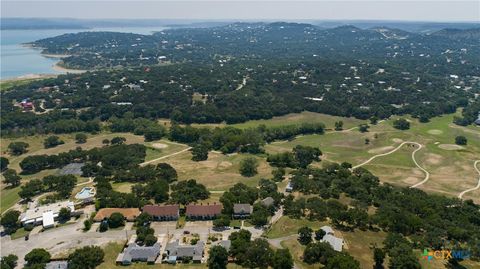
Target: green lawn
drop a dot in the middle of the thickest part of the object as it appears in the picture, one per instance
(19, 234)
(9, 198)
(286, 226)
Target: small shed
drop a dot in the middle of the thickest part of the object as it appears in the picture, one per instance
(48, 220)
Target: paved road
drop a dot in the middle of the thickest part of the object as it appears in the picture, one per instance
(475, 165)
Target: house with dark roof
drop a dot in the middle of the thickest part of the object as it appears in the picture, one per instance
(242, 210)
(162, 212)
(176, 252)
(203, 212)
(136, 253)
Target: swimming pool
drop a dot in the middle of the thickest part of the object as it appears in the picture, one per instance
(85, 193)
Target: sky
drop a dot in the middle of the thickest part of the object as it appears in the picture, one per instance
(408, 10)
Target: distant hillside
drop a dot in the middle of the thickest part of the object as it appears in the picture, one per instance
(459, 33)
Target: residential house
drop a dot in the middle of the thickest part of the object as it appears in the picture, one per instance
(330, 238)
(203, 212)
(130, 214)
(162, 212)
(136, 253)
(176, 252)
(242, 210)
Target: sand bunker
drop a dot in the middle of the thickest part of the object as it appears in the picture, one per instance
(433, 158)
(159, 145)
(225, 164)
(450, 147)
(381, 150)
(410, 180)
(435, 132)
(397, 140)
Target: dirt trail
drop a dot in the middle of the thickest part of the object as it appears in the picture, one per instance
(475, 165)
(166, 156)
(427, 174)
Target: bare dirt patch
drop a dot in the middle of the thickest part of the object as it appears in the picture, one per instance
(397, 140)
(432, 158)
(435, 132)
(411, 180)
(450, 147)
(381, 150)
(224, 164)
(159, 145)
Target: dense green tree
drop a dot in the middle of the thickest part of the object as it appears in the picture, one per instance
(88, 257)
(258, 254)
(116, 220)
(222, 221)
(401, 124)
(8, 262)
(9, 221)
(18, 148)
(305, 155)
(460, 140)
(118, 140)
(143, 219)
(338, 125)
(64, 214)
(188, 191)
(363, 128)
(282, 259)
(319, 234)
(248, 167)
(11, 178)
(343, 261)
(218, 258)
(305, 235)
(30, 189)
(378, 258)
(260, 214)
(239, 193)
(80, 138)
(37, 256)
(199, 153)
(319, 252)
(278, 174)
(52, 141)
(3, 164)
(167, 172)
(87, 224)
(240, 242)
(150, 240)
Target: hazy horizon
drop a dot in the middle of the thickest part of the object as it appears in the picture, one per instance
(197, 10)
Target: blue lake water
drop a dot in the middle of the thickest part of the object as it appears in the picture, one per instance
(17, 60)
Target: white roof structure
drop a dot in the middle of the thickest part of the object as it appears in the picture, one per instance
(35, 215)
(48, 219)
(335, 242)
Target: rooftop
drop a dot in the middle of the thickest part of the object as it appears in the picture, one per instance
(135, 252)
(242, 209)
(161, 210)
(72, 169)
(204, 210)
(36, 214)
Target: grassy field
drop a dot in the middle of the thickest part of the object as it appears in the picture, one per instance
(218, 172)
(286, 226)
(451, 170)
(11, 83)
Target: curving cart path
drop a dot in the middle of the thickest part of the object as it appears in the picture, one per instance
(475, 165)
(427, 174)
